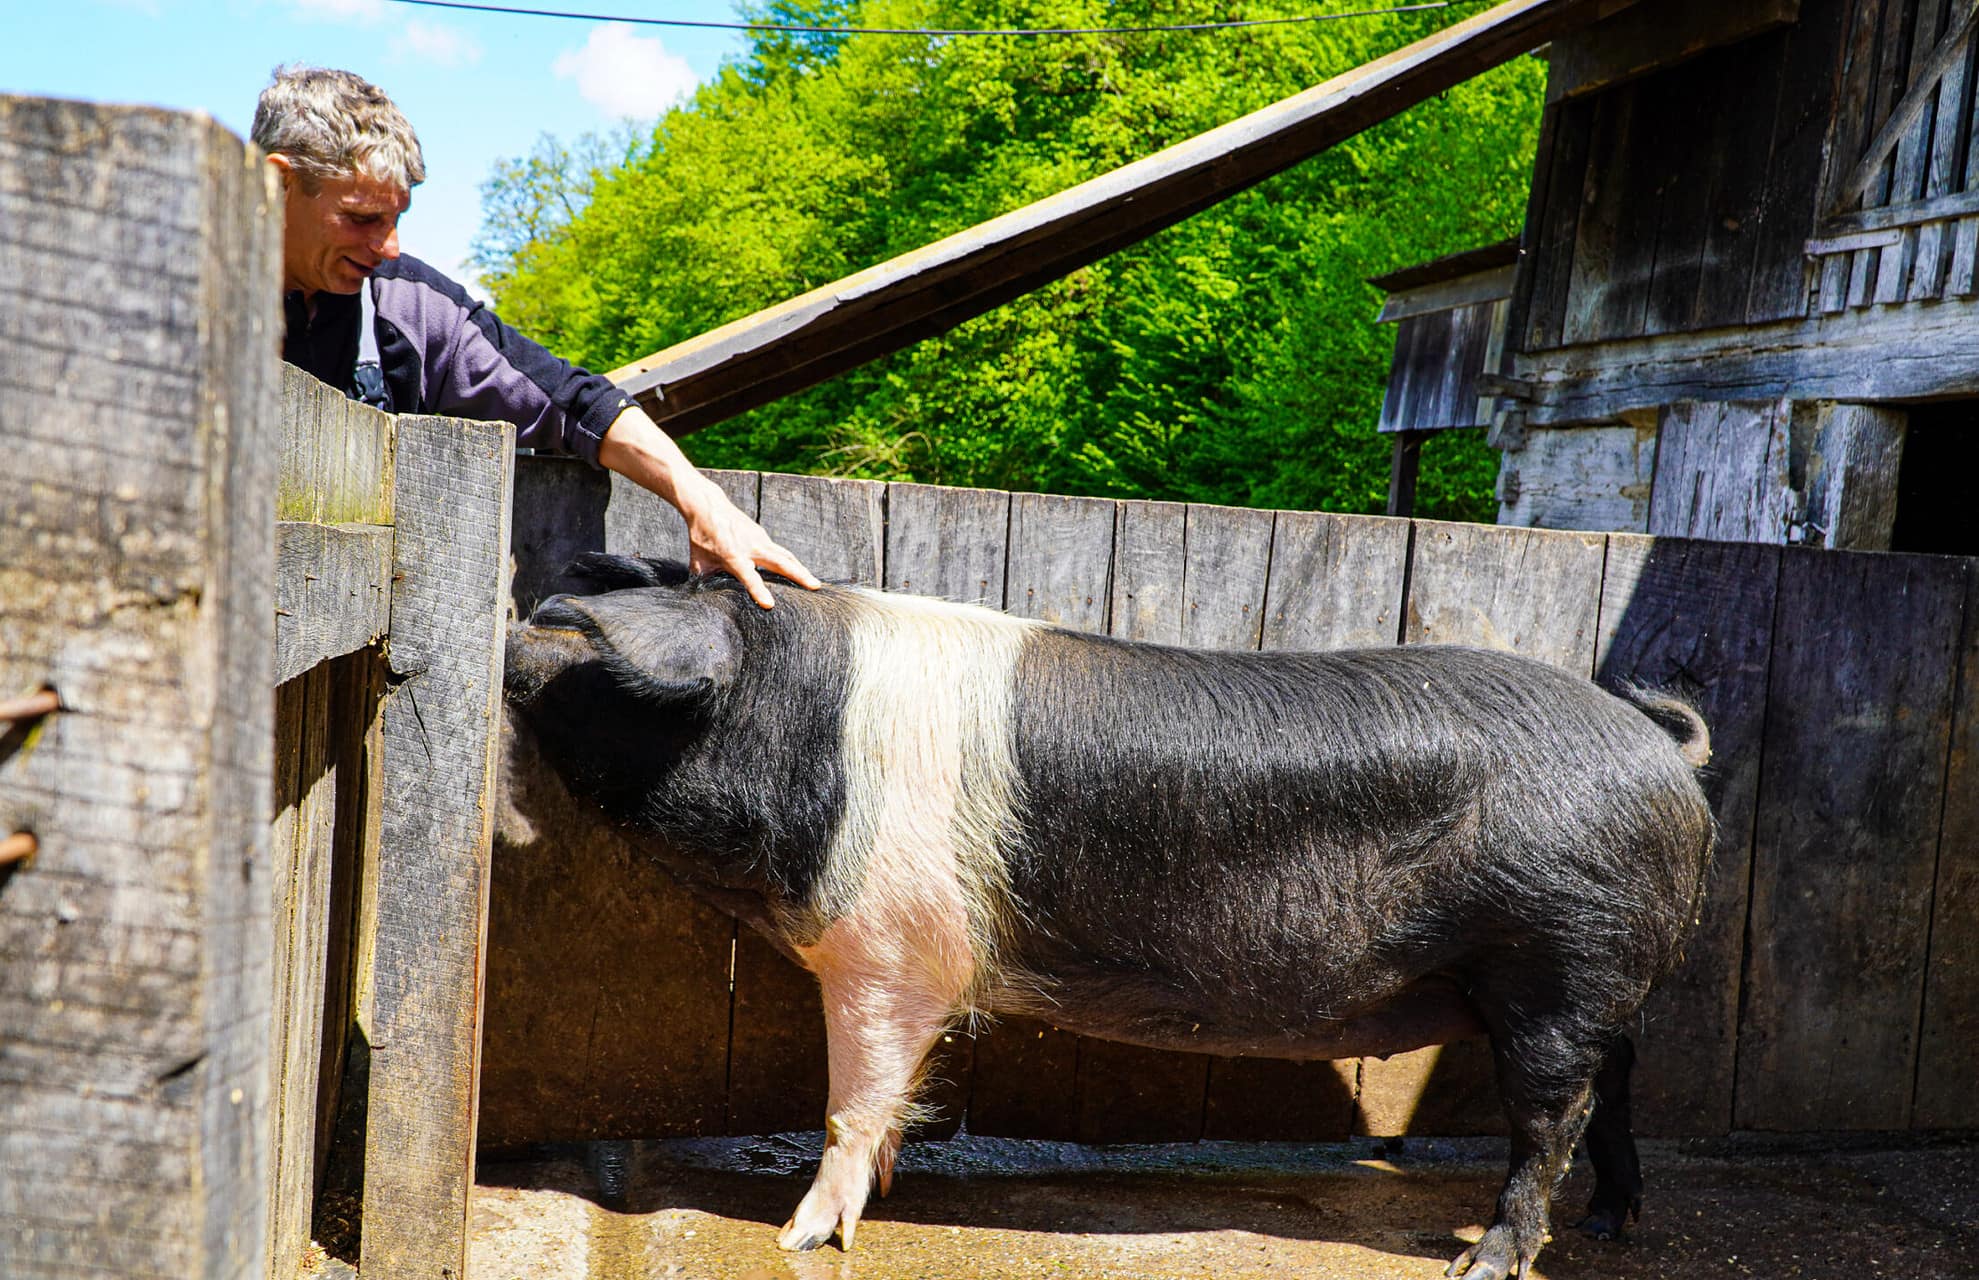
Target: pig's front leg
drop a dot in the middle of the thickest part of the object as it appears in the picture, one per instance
(881, 1018)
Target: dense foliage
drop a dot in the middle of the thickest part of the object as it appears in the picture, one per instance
(1231, 359)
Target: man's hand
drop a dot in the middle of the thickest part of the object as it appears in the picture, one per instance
(719, 536)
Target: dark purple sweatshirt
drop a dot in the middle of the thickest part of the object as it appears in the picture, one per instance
(440, 351)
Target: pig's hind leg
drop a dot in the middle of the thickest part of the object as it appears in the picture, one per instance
(1546, 1055)
(878, 1031)
(1611, 1148)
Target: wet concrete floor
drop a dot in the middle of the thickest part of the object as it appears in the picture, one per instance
(979, 1207)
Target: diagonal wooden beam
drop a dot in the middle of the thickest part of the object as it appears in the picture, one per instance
(801, 342)
(1922, 92)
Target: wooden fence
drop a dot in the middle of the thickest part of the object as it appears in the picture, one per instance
(260, 817)
(1833, 982)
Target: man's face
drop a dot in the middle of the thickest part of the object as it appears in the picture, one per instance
(333, 240)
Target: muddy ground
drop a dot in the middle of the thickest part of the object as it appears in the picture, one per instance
(979, 1207)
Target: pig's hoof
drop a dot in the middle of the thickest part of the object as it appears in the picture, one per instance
(1603, 1224)
(796, 1243)
(1493, 1258)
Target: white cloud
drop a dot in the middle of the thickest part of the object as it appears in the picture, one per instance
(442, 46)
(623, 74)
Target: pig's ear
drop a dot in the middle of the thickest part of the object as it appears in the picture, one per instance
(664, 648)
(605, 572)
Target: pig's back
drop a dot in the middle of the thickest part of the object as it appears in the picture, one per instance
(1324, 828)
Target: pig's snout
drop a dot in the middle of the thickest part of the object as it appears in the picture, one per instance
(540, 650)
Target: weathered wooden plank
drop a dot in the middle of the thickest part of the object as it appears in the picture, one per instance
(136, 577)
(453, 486)
(1525, 591)
(1529, 591)
(1601, 294)
(333, 592)
(336, 456)
(836, 527)
(1896, 354)
(1150, 551)
(1432, 381)
(1490, 284)
(1850, 795)
(558, 514)
(1060, 550)
(1948, 1042)
(947, 542)
(1944, 172)
(1690, 103)
(1228, 566)
(1025, 1081)
(801, 342)
(1335, 581)
(303, 924)
(1587, 478)
(1886, 92)
(1647, 38)
(1722, 471)
(1697, 618)
(1546, 241)
(1791, 199)
(1855, 454)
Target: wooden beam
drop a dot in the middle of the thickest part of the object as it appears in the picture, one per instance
(333, 592)
(1654, 36)
(821, 334)
(1890, 353)
(449, 599)
(136, 578)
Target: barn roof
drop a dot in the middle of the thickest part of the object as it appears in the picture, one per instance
(801, 342)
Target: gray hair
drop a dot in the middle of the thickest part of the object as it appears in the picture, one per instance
(333, 124)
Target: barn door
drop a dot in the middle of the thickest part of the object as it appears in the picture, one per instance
(1902, 205)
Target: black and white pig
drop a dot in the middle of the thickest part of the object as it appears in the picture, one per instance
(938, 809)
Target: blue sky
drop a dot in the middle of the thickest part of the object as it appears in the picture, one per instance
(477, 87)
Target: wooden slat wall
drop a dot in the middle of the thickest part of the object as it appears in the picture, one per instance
(1682, 200)
(137, 578)
(1698, 616)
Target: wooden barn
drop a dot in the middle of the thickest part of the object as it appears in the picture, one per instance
(1745, 304)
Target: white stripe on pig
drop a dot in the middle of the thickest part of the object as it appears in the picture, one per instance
(931, 785)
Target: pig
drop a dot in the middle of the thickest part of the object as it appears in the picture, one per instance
(945, 812)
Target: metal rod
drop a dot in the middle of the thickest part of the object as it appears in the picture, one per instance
(34, 705)
(17, 847)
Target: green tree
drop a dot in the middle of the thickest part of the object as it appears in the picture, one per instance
(1232, 358)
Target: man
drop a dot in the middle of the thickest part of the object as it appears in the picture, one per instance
(348, 162)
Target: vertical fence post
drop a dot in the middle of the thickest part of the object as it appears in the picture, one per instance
(452, 504)
(140, 274)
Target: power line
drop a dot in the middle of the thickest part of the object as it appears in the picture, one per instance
(799, 29)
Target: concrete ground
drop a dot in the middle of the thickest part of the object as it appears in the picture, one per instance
(979, 1207)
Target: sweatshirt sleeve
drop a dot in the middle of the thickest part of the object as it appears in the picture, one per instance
(466, 363)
